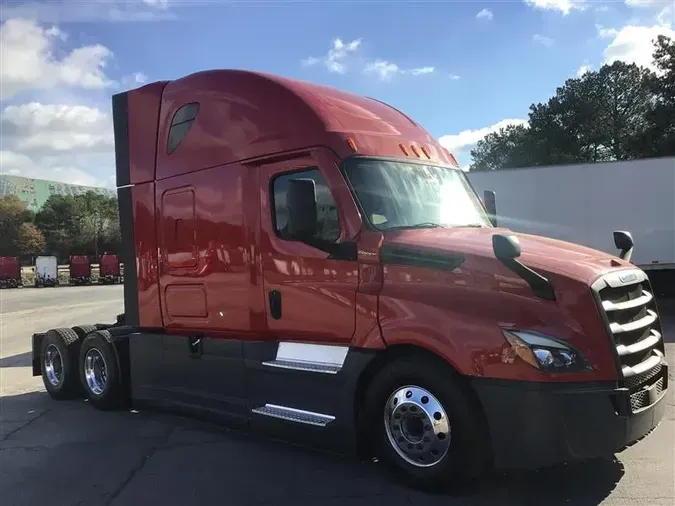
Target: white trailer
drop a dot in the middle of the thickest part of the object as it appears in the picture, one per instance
(585, 203)
(46, 271)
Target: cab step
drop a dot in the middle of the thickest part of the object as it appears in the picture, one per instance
(294, 415)
(298, 365)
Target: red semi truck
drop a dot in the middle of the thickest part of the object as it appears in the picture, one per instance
(109, 269)
(308, 262)
(10, 272)
(79, 270)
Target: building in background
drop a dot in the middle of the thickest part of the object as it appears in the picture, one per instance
(35, 192)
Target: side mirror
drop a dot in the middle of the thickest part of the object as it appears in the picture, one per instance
(489, 199)
(506, 247)
(623, 240)
(302, 213)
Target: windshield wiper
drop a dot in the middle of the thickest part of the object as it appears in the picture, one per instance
(469, 225)
(417, 225)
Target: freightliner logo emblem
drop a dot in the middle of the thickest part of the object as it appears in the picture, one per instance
(628, 277)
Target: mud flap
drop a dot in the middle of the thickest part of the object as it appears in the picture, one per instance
(37, 346)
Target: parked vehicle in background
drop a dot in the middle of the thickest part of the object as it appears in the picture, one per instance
(80, 270)
(579, 203)
(313, 264)
(10, 272)
(46, 271)
(109, 269)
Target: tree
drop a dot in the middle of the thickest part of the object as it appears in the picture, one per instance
(30, 240)
(13, 214)
(620, 112)
(659, 140)
(83, 224)
(504, 149)
(58, 222)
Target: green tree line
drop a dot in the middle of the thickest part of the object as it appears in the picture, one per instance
(84, 224)
(620, 112)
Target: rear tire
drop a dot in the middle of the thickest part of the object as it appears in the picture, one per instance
(100, 375)
(59, 359)
(83, 330)
(424, 425)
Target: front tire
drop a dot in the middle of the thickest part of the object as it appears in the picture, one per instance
(100, 373)
(424, 425)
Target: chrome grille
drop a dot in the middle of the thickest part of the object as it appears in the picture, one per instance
(627, 303)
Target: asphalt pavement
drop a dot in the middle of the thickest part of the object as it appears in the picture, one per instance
(67, 453)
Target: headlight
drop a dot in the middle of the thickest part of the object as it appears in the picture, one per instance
(544, 352)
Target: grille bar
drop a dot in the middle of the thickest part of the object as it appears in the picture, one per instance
(643, 300)
(642, 323)
(643, 345)
(627, 304)
(642, 367)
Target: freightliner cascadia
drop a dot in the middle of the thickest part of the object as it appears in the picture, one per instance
(313, 264)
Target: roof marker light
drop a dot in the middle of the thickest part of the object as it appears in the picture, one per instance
(426, 152)
(453, 160)
(414, 150)
(352, 145)
(404, 149)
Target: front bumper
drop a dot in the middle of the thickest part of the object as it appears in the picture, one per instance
(534, 425)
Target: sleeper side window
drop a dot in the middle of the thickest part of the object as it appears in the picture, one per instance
(327, 213)
(180, 125)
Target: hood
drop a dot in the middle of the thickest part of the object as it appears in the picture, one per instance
(543, 254)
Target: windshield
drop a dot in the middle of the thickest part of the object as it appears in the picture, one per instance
(396, 195)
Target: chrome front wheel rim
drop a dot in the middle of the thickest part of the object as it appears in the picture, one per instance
(53, 363)
(95, 371)
(417, 426)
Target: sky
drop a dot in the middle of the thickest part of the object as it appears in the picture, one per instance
(462, 69)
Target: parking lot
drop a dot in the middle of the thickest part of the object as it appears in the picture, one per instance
(66, 453)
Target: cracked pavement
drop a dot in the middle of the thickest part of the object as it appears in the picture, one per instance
(66, 453)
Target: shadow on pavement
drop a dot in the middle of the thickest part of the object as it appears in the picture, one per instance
(156, 458)
(20, 360)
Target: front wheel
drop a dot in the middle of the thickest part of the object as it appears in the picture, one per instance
(424, 424)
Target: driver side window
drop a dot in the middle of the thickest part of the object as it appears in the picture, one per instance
(327, 214)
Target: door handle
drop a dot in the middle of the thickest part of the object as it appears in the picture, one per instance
(275, 304)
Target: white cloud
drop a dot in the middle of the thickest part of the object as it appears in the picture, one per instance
(336, 58)
(605, 33)
(485, 14)
(542, 39)
(383, 69)
(343, 56)
(134, 80)
(563, 6)
(28, 62)
(666, 16)
(454, 77)
(665, 10)
(467, 139)
(69, 11)
(18, 164)
(44, 128)
(58, 142)
(159, 4)
(583, 69)
(634, 44)
(423, 70)
(643, 3)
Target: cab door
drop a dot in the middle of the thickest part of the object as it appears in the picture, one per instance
(310, 290)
